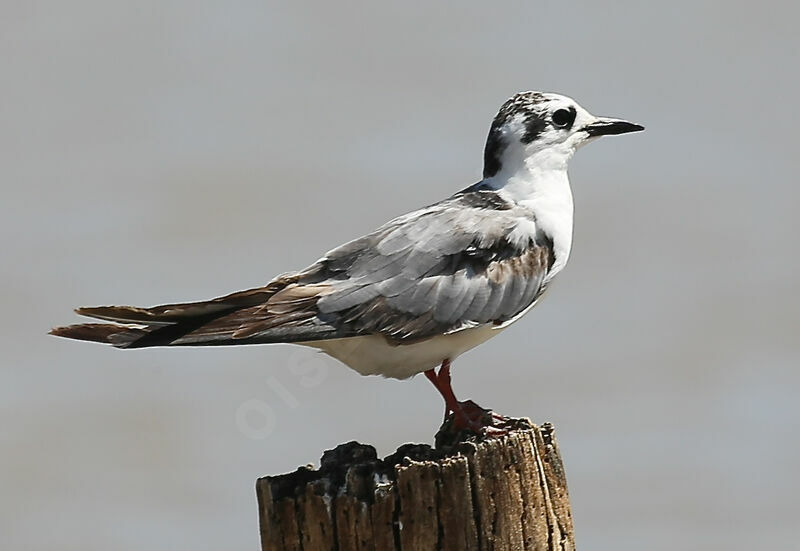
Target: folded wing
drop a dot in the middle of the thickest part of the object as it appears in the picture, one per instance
(469, 260)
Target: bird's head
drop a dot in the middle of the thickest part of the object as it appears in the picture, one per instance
(545, 129)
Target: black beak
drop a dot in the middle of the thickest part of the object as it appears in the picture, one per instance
(608, 127)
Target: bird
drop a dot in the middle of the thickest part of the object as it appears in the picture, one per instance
(420, 290)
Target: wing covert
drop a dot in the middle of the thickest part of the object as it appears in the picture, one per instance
(434, 271)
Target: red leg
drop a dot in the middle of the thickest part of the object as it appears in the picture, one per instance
(468, 414)
(431, 375)
(442, 383)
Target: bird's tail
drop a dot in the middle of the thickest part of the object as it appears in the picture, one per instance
(121, 336)
(169, 324)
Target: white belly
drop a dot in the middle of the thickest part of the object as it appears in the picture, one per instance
(374, 355)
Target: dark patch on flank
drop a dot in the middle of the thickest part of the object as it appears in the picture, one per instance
(477, 259)
(545, 241)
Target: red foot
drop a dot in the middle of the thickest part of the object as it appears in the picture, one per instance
(473, 417)
(466, 415)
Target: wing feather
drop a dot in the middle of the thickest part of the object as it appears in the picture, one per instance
(465, 261)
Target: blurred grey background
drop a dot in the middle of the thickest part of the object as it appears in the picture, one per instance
(166, 151)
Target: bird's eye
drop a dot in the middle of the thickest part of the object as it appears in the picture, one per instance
(563, 118)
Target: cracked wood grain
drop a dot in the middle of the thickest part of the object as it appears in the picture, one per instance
(469, 493)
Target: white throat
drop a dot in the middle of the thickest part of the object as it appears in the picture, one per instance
(540, 183)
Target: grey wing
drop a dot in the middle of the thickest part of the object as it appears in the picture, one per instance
(436, 271)
(466, 261)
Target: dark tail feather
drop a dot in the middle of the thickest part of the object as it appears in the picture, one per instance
(166, 335)
(157, 315)
(108, 333)
(219, 321)
(147, 326)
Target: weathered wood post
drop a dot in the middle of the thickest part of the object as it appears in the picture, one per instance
(469, 493)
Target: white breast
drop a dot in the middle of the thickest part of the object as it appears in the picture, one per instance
(547, 194)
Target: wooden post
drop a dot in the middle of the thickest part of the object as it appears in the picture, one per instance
(468, 493)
